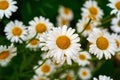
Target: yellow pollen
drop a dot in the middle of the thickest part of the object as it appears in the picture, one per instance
(82, 57)
(118, 5)
(66, 11)
(84, 73)
(17, 31)
(41, 27)
(102, 43)
(64, 22)
(45, 68)
(88, 27)
(93, 10)
(4, 55)
(34, 41)
(63, 42)
(4, 4)
(69, 77)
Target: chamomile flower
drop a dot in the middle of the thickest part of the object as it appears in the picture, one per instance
(62, 21)
(117, 40)
(39, 25)
(39, 77)
(92, 10)
(7, 7)
(82, 58)
(70, 75)
(66, 13)
(102, 44)
(46, 69)
(33, 44)
(6, 54)
(115, 5)
(84, 73)
(115, 25)
(63, 44)
(16, 31)
(82, 24)
(103, 77)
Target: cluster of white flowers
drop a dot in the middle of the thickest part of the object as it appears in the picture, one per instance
(62, 44)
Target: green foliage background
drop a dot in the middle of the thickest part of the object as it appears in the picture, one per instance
(19, 67)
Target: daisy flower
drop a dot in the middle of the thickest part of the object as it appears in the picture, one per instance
(82, 58)
(92, 10)
(46, 69)
(102, 43)
(7, 7)
(15, 31)
(115, 25)
(63, 44)
(70, 75)
(62, 21)
(116, 37)
(38, 77)
(66, 13)
(39, 25)
(115, 5)
(33, 44)
(84, 73)
(103, 77)
(82, 24)
(6, 54)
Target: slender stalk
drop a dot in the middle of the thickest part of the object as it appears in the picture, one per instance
(86, 26)
(107, 19)
(41, 63)
(62, 69)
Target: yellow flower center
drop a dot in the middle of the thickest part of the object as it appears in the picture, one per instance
(118, 5)
(93, 10)
(63, 42)
(4, 4)
(84, 73)
(17, 31)
(82, 57)
(102, 43)
(117, 43)
(88, 27)
(66, 11)
(34, 41)
(64, 22)
(69, 77)
(41, 27)
(4, 55)
(45, 68)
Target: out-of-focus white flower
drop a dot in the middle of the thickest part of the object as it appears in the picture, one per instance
(7, 7)
(103, 77)
(6, 54)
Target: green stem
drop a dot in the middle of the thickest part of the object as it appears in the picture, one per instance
(107, 19)
(86, 26)
(41, 63)
(62, 69)
(37, 66)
